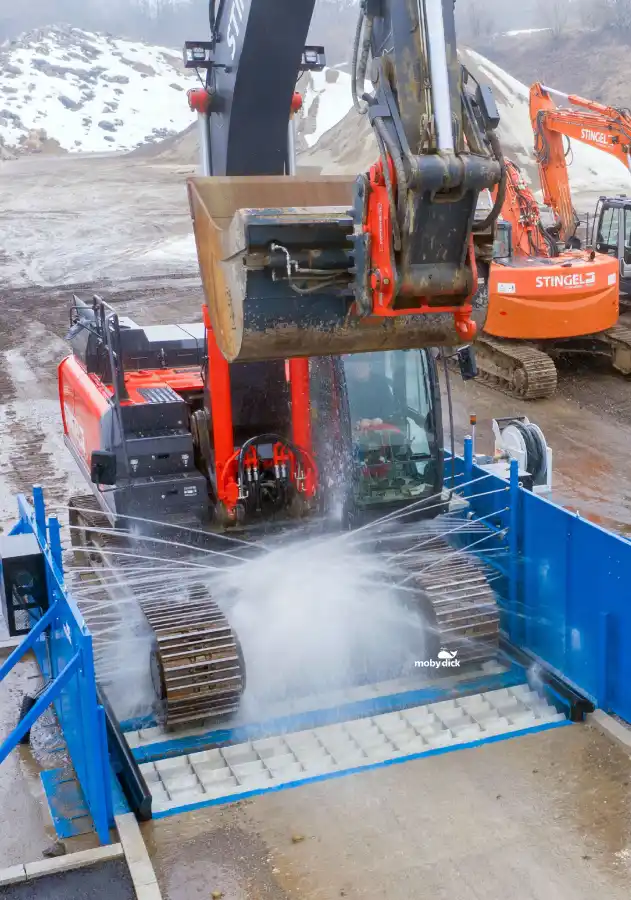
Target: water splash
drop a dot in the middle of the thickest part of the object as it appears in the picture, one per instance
(316, 615)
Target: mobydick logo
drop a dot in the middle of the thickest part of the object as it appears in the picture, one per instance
(445, 659)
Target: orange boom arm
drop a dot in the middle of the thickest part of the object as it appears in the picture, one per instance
(592, 123)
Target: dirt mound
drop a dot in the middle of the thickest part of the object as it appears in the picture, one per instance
(181, 149)
(586, 62)
(350, 146)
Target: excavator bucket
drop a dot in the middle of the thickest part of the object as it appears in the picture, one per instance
(276, 260)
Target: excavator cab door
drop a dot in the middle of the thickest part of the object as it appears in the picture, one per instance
(608, 229)
(396, 439)
(503, 243)
(613, 234)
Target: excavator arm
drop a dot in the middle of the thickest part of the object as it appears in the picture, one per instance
(604, 127)
(521, 211)
(315, 266)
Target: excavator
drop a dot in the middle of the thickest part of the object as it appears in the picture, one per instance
(541, 299)
(605, 127)
(308, 397)
(608, 129)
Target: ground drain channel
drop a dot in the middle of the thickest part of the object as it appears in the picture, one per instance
(229, 773)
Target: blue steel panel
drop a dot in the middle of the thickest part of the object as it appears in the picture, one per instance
(66, 803)
(575, 595)
(80, 715)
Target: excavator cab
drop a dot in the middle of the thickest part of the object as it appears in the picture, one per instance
(391, 402)
(376, 423)
(611, 234)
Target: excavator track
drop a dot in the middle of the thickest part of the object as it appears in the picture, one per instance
(517, 369)
(457, 600)
(197, 665)
(618, 340)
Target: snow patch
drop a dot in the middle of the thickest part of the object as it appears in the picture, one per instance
(327, 99)
(179, 249)
(526, 31)
(90, 92)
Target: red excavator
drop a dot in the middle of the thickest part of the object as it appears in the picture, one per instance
(324, 297)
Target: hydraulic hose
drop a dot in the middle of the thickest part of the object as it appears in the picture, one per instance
(501, 190)
(275, 438)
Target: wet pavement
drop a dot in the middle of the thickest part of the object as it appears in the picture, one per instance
(26, 828)
(588, 426)
(542, 817)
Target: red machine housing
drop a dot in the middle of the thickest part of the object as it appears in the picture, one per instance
(156, 408)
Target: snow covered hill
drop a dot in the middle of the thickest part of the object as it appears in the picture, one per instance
(85, 92)
(327, 99)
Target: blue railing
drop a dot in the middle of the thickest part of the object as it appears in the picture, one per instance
(63, 647)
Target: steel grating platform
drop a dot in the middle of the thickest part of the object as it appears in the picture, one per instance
(150, 742)
(231, 772)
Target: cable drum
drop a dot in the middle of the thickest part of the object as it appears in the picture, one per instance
(535, 447)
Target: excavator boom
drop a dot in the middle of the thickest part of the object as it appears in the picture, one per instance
(592, 123)
(521, 211)
(297, 267)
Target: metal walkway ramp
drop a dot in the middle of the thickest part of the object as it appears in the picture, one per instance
(287, 760)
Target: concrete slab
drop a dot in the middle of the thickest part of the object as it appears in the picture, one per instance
(71, 861)
(12, 875)
(541, 817)
(615, 729)
(137, 857)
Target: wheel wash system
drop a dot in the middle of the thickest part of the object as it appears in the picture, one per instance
(564, 648)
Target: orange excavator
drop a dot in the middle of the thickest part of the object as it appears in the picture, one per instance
(605, 127)
(540, 299)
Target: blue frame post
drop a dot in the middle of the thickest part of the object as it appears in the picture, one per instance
(468, 463)
(40, 513)
(54, 538)
(513, 546)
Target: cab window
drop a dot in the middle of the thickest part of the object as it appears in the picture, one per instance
(608, 232)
